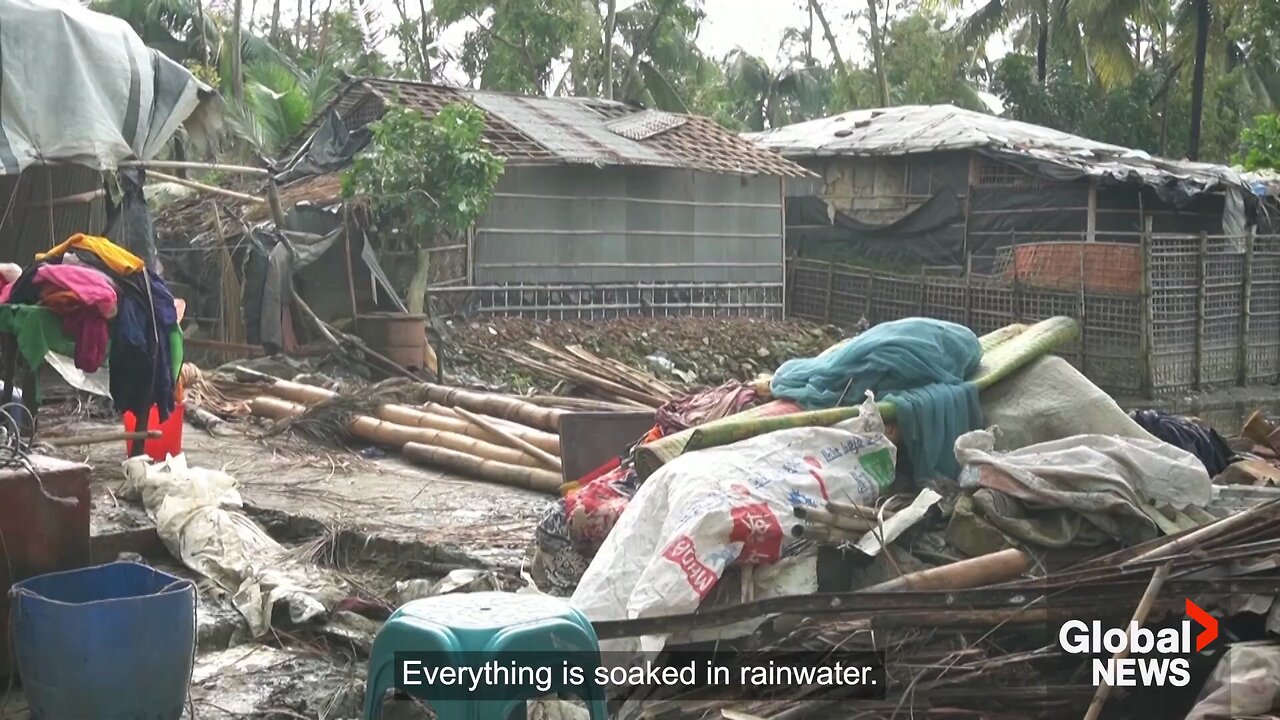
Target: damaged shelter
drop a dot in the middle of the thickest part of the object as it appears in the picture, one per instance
(596, 191)
(594, 194)
(64, 172)
(932, 185)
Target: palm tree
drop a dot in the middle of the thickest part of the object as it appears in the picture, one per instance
(1033, 19)
(762, 98)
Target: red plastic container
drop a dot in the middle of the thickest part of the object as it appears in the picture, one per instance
(170, 440)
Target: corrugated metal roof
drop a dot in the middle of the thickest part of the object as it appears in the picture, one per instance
(929, 128)
(578, 131)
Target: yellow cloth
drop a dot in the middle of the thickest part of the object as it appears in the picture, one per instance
(117, 258)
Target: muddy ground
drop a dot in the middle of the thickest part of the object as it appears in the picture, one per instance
(377, 520)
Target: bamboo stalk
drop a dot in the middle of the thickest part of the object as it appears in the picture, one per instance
(206, 188)
(417, 418)
(150, 165)
(500, 406)
(976, 572)
(850, 510)
(825, 534)
(1139, 617)
(543, 457)
(392, 435)
(443, 419)
(94, 438)
(822, 517)
(529, 478)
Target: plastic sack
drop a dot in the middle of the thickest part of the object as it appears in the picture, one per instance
(197, 516)
(733, 503)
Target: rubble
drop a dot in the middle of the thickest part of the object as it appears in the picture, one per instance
(944, 577)
(698, 350)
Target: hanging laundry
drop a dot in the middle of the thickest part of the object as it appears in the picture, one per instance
(83, 298)
(116, 258)
(143, 348)
(93, 288)
(82, 323)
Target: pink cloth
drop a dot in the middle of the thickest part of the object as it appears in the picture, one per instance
(94, 289)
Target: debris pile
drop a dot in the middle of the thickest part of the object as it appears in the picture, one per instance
(684, 351)
(943, 500)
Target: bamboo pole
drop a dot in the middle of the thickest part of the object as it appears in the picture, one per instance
(543, 481)
(851, 510)
(207, 188)
(1202, 271)
(416, 418)
(1139, 617)
(1246, 298)
(976, 572)
(825, 534)
(187, 165)
(312, 395)
(822, 517)
(94, 438)
(544, 458)
(389, 434)
(497, 405)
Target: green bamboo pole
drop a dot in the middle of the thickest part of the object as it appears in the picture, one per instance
(1004, 352)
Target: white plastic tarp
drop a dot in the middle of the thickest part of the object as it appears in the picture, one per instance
(730, 504)
(80, 87)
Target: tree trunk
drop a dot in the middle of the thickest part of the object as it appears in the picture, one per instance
(418, 285)
(237, 75)
(1042, 50)
(424, 40)
(1197, 78)
(275, 20)
(841, 67)
(204, 41)
(877, 53)
(610, 25)
(297, 28)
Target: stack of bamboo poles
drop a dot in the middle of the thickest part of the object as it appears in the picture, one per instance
(605, 378)
(489, 437)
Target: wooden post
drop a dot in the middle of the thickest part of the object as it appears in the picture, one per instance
(826, 309)
(871, 291)
(1083, 319)
(924, 289)
(1091, 220)
(968, 290)
(1202, 263)
(351, 278)
(1146, 336)
(1246, 299)
(1017, 282)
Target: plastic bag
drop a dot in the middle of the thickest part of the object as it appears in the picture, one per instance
(713, 507)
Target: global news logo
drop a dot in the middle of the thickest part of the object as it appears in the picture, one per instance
(1162, 653)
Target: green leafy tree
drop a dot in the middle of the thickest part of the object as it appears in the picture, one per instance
(515, 43)
(425, 180)
(1260, 144)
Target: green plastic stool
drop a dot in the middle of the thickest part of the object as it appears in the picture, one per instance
(470, 628)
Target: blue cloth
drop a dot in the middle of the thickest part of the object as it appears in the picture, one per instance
(142, 354)
(921, 365)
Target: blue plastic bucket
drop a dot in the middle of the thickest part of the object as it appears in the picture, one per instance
(112, 642)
